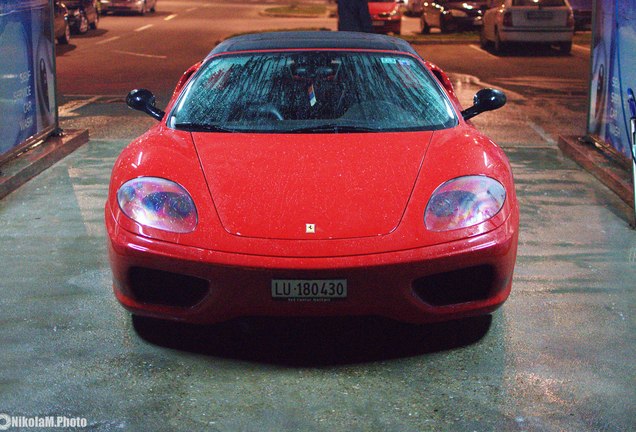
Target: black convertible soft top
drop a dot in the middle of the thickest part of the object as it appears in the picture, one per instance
(311, 40)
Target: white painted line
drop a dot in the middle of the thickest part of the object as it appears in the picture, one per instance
(539, 130)
(581, 48)
(146, 27)
(169, 17)
(483, 51)
(108, 40)
(471, 79)
(141, 55)
(67, 109)
(191, 9)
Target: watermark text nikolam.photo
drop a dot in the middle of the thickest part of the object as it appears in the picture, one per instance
(7, 422)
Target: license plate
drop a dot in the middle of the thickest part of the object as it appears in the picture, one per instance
(377, 23)
(539, 15)
(309, 289)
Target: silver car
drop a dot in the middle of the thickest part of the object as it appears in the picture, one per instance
(536, 21)
(138, 6)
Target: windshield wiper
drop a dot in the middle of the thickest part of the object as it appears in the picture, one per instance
(201, 127)
(335, 128)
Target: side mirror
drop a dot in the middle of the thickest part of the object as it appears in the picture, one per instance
(485, 100)
(144, 100)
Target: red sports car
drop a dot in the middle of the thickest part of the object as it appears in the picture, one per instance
(312, 174)
(386, 16)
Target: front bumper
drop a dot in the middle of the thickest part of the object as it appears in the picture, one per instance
(392, 284)
(384, 26)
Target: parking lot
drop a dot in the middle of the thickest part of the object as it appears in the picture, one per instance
(556, 357)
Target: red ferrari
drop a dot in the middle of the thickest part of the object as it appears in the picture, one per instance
(312, 174)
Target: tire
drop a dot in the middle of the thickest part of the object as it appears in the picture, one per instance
(565, 47)
(483, 42)
(82, 27)
(66, 37)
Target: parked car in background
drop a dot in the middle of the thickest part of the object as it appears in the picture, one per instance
(450, 16)
(412, 7)
(83, 15)
(582, 10)
(135, 6)
(386, 16)
(60, 23)
(539, 21)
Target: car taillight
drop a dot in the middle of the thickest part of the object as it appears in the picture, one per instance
(507, 19)
(570, 20)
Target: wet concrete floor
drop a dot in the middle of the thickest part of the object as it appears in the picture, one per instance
(558, 356)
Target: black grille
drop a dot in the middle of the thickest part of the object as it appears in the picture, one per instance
(166, 288)
(459, 286)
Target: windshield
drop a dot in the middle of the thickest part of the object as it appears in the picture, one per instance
(318, 91)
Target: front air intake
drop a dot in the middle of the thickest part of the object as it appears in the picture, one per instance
(165, 288)
(459, 286)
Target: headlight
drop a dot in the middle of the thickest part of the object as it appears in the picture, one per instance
(158, 203)
(464, 202)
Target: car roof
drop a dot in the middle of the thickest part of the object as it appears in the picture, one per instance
(313, 40)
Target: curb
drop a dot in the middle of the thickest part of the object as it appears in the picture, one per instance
(19, 170)
(607, 169)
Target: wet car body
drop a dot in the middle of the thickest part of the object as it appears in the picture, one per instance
(307, 197)
(386, 16)
(450, 16)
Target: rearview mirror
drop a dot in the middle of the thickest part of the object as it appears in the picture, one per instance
(144, 100)
(485, 100)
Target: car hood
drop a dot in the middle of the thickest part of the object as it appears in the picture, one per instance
(314, 186)
(376, 8)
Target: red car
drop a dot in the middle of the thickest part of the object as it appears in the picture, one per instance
(386, 16)
(312, 174)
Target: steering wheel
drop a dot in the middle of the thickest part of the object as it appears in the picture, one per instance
(266, 110)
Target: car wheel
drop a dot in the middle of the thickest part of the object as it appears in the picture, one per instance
(424, 27)
(82, 27)
(565, 47)
(483, 42)
(66, 37)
